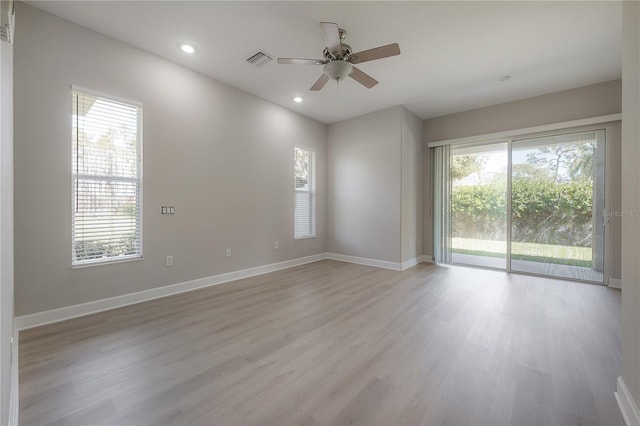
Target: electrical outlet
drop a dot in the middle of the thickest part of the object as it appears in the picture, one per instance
(169, 260)
(275, 245)
(228, 252)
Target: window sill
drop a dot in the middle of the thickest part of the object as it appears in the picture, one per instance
(305, 238)
(107, 262)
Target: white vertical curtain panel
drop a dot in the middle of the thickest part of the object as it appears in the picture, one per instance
(441, 204)
(107, 185)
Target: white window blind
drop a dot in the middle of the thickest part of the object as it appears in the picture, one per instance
(107, 179)
(305, 196)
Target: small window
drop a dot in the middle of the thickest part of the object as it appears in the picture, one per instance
(107, 179)
(305, 193)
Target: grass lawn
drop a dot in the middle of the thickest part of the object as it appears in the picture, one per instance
(545, 253)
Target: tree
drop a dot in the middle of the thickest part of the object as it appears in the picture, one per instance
(530, 171)
(302, 168)
(565, 162)
(465, 165)
(581, 168)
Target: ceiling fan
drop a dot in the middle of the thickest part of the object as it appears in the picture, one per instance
(338, 58)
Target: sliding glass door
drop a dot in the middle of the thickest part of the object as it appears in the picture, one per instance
(526, 205)
(479, 205)
(557, 205)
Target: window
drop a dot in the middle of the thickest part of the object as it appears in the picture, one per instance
(531, 204)
(305, 196)
(107, 179)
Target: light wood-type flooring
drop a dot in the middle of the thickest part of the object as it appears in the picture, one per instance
(340, 344)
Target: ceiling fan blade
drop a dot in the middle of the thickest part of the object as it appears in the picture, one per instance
(300, 61)
(319, 84)
(375, 53)
(363, 78)
(331, 36)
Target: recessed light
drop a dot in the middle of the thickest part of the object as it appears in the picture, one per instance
(187, 48)
(504, 78)
(297, 99)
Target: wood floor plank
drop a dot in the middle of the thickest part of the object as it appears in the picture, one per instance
(336, 343)
(93, 414)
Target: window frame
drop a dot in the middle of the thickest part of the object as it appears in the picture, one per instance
(311, 191)
(139, 163)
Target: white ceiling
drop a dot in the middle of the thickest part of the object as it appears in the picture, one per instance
(452, 52)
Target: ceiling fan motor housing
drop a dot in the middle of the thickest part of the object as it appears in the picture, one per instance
(343, 54)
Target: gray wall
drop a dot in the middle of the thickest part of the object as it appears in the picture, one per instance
(364, 186)
(374, 186)
(411, 213)
(6, 225)
(588, 101)
(584, 102)
(222, 157)
(631, 198)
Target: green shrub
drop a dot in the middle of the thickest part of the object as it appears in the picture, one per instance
(543, 212)
(98, 249)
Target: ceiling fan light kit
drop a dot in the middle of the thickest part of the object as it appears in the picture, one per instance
(338, 58)
(338, 70)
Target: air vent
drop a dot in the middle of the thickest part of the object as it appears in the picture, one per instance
(260, 58)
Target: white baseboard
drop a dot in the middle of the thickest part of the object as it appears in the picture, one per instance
(413, 262)
(409, 263)
(396, 266)
(627, 405)
(14, 396)
(615, 283)
(24, 322)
